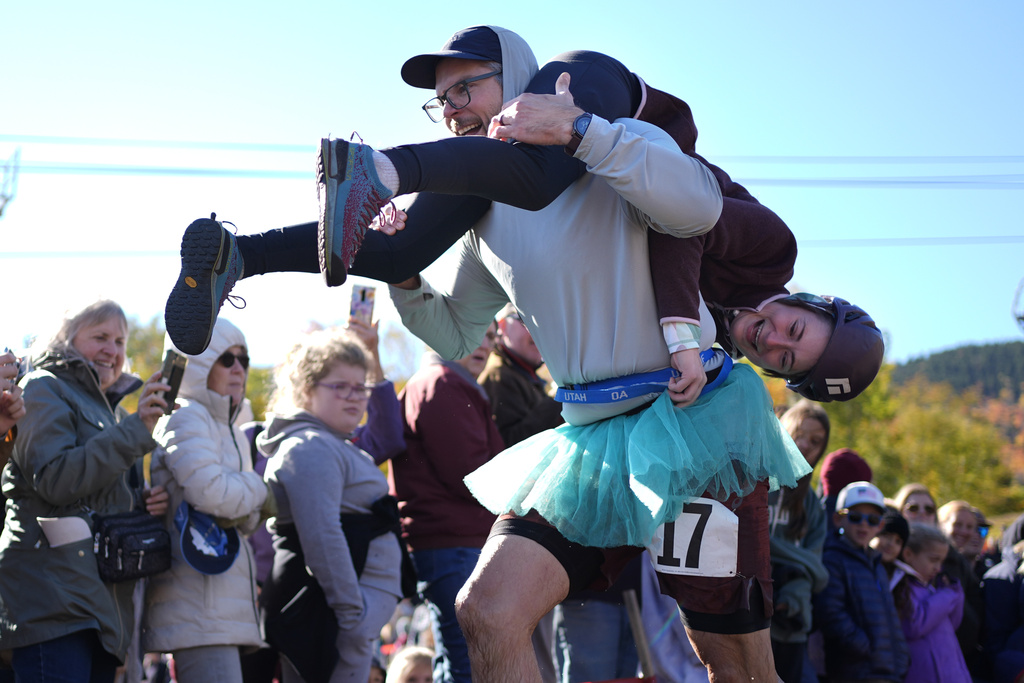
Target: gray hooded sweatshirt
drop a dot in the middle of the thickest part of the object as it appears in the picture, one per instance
(316, 475)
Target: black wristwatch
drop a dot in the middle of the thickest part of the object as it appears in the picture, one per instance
(579, 129)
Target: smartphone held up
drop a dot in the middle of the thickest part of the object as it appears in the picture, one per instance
(173, 371)
(362, 303)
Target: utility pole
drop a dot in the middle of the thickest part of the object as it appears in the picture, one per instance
(1018, 305)
(9, 180)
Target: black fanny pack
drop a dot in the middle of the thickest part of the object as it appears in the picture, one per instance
(130, 545)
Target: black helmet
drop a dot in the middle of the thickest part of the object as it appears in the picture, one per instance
(851, 358)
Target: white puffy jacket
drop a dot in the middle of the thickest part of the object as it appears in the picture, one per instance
(204, 458)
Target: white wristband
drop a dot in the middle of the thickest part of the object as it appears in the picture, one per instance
(681, 336)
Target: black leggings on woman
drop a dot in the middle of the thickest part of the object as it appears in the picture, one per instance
(457, 179)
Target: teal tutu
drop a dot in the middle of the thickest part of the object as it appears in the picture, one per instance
(613, 482)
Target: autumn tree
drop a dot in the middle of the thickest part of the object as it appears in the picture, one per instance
(929, 433)
(954, 442)
(145, 353)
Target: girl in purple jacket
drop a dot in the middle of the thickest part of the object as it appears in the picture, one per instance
(933, 611)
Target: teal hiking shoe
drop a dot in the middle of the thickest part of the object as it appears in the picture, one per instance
(210, 266)
(351, 195)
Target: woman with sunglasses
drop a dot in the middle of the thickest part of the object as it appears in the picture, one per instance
(917, 504)
(203, 461)
(337, 558)
(958, 520)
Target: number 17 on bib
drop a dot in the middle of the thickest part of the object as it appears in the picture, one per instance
(703, 541)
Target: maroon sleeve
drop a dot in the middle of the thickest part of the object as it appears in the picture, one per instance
(455, 431)
(748, 256)
(676, 263)
(675, 273)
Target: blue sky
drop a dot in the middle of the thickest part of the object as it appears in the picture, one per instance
(887, 135)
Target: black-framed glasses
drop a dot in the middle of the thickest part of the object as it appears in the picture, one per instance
(227, 359)
(457, 96)
(346, 391)
(860, 517)
(928, 509)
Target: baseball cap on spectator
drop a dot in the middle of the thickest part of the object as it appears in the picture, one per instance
(205, 545)
(861, 493)
(476, 42)
(842, 467)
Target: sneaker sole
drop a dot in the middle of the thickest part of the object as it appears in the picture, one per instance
(193, 305)
(335, 272)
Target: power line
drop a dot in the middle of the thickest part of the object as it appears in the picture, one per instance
(1013, 181)
(955, 240)
(804, 159)
(167, 144)
(155, 253)
(60, 168)
(306, 148)
(979, 182)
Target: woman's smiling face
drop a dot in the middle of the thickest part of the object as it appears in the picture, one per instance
(103, 346)
(787, 340)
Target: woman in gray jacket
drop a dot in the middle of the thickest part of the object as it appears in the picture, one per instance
(77, 452)
(796, 522)
(203, 460)
(333, 518)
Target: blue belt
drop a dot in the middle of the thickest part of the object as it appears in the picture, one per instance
(642, 384)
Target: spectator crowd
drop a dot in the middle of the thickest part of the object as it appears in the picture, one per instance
(456, 530)
(865, 587)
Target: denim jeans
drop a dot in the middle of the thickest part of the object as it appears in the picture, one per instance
(75, 658)
(789, 660)
(595, 642)
(214, 663)
(441, 574)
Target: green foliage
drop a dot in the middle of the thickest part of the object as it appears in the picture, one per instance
(995, 369)
(145, 352)
(259, 389)
(929, 433)
(947, 437)
(145, 346)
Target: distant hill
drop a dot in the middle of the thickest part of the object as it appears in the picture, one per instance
(991, 367)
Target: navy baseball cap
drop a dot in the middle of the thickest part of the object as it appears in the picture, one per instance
(205, 546)
(476, 42)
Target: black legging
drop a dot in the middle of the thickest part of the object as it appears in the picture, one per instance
(458, 178)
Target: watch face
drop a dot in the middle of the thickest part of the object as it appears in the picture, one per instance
(581, 124)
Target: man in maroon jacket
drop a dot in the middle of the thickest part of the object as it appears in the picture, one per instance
(449, 433)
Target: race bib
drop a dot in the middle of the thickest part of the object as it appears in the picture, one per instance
(702, 542)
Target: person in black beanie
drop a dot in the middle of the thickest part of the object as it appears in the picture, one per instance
(890, 540)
